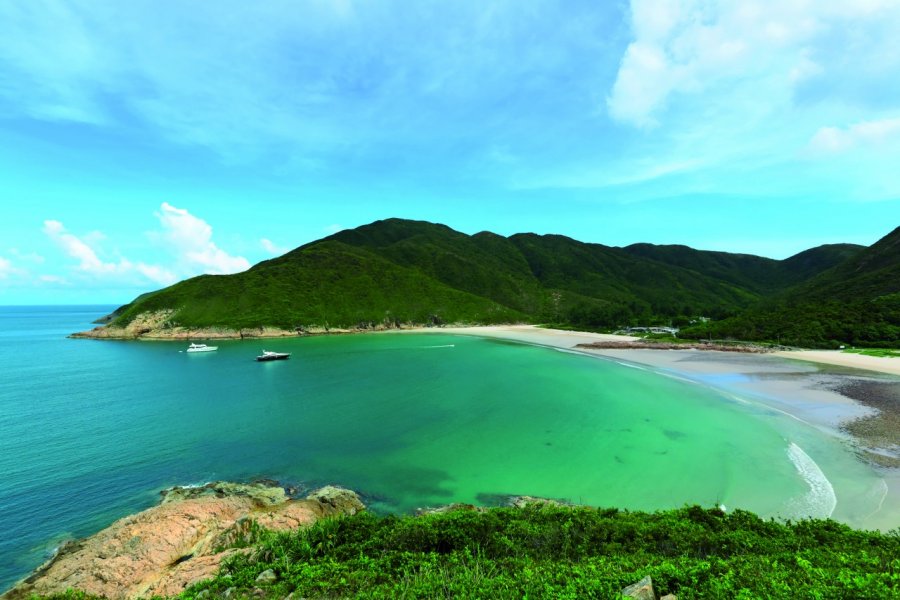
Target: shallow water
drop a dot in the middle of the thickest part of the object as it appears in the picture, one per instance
(92, 430)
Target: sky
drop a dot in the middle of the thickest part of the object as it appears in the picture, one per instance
(144, 142)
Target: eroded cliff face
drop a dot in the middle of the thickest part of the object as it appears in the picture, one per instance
(183, 540)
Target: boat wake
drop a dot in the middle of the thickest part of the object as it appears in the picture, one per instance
(820, 501)
(442, 346)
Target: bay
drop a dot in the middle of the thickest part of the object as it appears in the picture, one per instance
(92, 430)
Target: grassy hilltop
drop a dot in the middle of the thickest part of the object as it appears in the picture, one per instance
(398, 271)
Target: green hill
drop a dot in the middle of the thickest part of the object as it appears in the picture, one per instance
(763, 276)
(400, 271)
(856, 301)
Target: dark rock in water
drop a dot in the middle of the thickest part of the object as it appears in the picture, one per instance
(642, 590)
(518, 500)
(488, 499)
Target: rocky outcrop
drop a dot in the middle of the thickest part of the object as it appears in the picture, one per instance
(183, 540)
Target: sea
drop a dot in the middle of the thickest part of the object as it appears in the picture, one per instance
(91, 431)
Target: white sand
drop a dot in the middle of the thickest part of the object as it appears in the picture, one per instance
(881, 364)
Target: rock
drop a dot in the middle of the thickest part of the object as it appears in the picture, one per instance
(447, 509)
(262, 493)
(523, 501)
(267, 576)
(164, 549)
(669, 597)
(338, 498)
(642, 590)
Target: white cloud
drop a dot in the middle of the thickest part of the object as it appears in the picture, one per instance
(272, 248)
(190, 238)
(56, 279)
(832, 140)
(30, 257)
(80, 250)
(92, 266)
(719, 53)
(187, 237)
(6, 268)
(157, 274)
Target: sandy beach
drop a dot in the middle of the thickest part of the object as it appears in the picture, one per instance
(880, 364)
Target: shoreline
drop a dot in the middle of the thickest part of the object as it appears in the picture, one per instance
(556, 338)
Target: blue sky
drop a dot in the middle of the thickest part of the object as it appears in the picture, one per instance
(143, 142)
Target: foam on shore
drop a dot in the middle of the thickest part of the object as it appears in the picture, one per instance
(821, 500)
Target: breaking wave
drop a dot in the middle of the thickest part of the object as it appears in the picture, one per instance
(820, 501)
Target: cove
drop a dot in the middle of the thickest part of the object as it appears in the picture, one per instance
(95, 429)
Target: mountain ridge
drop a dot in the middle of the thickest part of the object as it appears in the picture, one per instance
(396, 271)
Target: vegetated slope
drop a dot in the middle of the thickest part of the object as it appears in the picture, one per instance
(855, 302)
(328, 283)
(761, 275)
(398, 270)
(633, 286)
(565, 552)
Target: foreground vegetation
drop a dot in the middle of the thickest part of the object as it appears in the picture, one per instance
(879, 352)
(543, 551)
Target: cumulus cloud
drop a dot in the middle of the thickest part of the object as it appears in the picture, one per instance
(272, 248)
(190, 237)
(832, 140)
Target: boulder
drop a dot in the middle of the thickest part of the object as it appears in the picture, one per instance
(337, 498)
(642, 590)
(267, 576)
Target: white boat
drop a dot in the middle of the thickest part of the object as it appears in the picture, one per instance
(201, 348)
(266, 355)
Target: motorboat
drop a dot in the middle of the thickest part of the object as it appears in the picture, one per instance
(201, 348)
(266, 356)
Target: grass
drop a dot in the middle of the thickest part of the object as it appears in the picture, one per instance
(880, 352)
(565, 552)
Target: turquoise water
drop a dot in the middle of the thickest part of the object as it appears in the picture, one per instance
(92, 430)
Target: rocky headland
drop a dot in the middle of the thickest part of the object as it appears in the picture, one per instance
(183, 540)
(158, 325)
